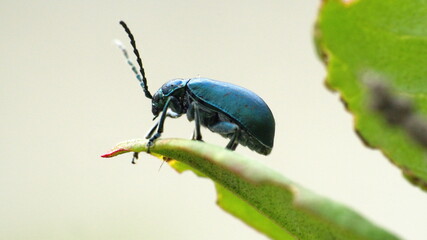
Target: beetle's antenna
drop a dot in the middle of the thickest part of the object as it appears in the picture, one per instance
(125, 53)
(141, 75)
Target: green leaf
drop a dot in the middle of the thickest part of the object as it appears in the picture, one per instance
(259, 196)
(387, 39)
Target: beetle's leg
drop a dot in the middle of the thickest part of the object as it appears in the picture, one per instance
(135, 157)
(160, 123)
(153, 128)
(232, 145)
(196, 135)
(190, 112)
(169, 113)
(226, 128)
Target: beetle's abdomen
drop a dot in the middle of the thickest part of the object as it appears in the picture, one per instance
(246, 108)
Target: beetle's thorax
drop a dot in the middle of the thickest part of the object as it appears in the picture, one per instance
(176, 89)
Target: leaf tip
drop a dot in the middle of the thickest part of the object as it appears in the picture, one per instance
(114, 153)
(136, 145)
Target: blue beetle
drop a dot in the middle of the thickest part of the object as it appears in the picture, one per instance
(224, 108)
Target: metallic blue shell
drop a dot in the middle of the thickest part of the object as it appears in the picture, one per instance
(246, 108)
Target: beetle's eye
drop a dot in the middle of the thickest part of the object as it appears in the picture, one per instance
(157, 97)
(154, 110)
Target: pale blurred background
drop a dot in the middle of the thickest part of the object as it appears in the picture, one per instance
(67, 96)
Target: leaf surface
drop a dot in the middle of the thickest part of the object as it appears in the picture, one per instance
(260, 196)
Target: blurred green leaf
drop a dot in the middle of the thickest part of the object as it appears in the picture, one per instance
(388, 39)
(259, 196)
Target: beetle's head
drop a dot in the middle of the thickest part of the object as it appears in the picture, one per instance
(158, 102)
(175, 87)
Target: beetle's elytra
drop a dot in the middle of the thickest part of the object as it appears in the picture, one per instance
(224, 108)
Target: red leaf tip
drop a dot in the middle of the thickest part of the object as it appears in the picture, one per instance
(115, 152)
